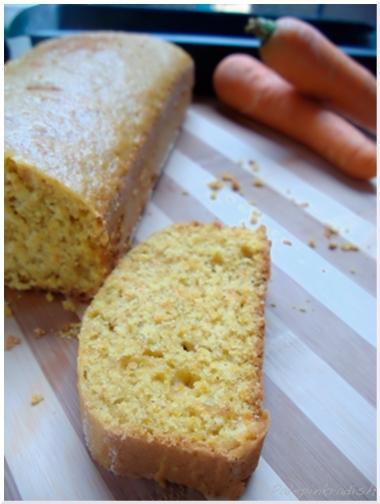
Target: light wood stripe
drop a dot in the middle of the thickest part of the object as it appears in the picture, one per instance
(299, 160)
(301, 224)
(340, 346)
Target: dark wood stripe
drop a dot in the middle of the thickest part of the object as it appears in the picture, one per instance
(11, 492)
(305, 459)
(326, 335)
(299, 223)
(338, 345)
(296, 158)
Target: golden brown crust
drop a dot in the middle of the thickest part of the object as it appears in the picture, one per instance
(81, 125)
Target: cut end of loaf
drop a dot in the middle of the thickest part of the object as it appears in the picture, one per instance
(52, 241)
(171, 351)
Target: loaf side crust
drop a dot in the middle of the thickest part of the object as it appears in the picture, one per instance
(95, 137)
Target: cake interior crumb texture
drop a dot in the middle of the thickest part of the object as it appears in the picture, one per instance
(171, 353)
(89, 121)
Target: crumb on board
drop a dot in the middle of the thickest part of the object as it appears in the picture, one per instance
(49, 297)
(273, 305)
(302, 310)
(253, 202)
(329, 231)
(213, 195)
(304, 204)
(333, 246)
(227, 177)
(215, 185)
(38, 332)
(7, 310)
(235, 185)
(69, 331)
(287, 242)
(352, 271)
(348, 247)
(253, 165)
(323, 270)
(69, 304)
(254, 217)
(258, 182)
(185, 193)
(11, 341)
(36, 399)
(312, 244)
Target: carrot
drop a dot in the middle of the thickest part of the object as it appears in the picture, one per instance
(317, 68)
(255, 90)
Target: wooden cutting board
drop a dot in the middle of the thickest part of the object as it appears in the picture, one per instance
(320, 359)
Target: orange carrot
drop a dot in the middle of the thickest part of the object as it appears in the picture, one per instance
(317, 68)
(250, 87)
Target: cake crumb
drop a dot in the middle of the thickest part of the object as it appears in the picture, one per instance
(215, 185)
(213, 195)
(69, 331)
(258, 182)
(7, 310)
(69, 304)
(185, 193)
(227, 177)
(311, 244)
(254, 217)
(38, 332)
(11, 341)
(235, 185)
(352, 271)
(49, 297)
(273, 305)
(303, 205)
(348, 247)
(253, 165)
(333, 246)
(36, 399)
(302, 310)
(329, 231)
(287, 242)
